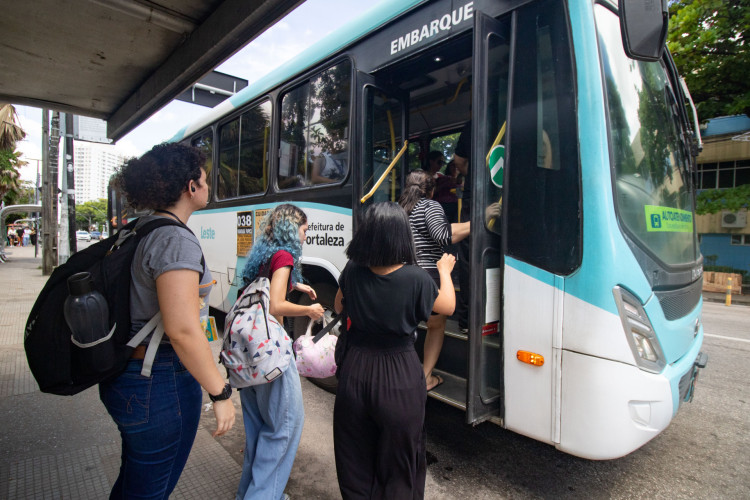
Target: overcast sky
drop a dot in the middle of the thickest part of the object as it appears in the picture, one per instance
(301, 28)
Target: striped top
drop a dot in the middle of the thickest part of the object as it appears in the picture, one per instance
(431, 231)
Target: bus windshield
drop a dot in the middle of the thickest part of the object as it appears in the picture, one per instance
(652, 192)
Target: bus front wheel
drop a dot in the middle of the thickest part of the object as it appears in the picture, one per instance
(326, 295)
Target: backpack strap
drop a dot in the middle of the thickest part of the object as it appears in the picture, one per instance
(153, 345)
(157, 326)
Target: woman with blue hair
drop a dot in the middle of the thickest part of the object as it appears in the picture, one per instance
(273, 413)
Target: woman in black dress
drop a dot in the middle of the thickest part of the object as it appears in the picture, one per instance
(378, 417)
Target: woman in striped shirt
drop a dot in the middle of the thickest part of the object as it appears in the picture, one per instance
(432, 232)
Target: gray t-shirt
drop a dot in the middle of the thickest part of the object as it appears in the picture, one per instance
(165, 249)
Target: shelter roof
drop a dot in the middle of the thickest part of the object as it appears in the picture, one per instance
(120, 60)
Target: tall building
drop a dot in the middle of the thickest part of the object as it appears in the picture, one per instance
(94, 165)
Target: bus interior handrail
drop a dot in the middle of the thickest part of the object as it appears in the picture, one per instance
(385, 174)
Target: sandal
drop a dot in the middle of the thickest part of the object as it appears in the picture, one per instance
(439, 382)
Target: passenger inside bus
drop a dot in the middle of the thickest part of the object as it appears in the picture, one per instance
(462, 160)
(445, 185)
(328, 168)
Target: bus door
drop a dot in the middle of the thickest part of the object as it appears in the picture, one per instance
(491, 69)
(383, 127)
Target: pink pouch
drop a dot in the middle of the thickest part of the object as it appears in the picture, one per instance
(316, 359)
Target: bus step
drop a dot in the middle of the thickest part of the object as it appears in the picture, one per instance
(452, 391)
(451, 330)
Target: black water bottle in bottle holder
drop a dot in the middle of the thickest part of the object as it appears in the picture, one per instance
(87, 315)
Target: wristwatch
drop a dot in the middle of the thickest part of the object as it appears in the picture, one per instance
(225, 394)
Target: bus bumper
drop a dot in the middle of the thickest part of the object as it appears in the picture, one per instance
(609, 409)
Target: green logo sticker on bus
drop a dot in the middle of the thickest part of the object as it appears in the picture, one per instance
(666, 219)
(496, 165)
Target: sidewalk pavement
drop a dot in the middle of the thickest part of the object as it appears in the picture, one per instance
(68, 447)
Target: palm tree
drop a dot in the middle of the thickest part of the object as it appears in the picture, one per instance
(10, 177)
(10, 131)
(10, 160)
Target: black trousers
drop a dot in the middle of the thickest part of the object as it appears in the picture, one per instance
(378, 424)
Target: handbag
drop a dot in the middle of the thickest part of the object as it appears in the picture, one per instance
(315, 354)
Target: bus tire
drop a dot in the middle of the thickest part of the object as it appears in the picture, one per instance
(326, 295)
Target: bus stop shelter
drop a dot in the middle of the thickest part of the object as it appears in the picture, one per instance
(14, 209)
(121, 60)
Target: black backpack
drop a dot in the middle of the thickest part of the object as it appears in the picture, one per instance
(59, 366)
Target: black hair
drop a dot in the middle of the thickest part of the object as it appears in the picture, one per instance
(434, 155)
(157, 179)
(419, 184)
(383, 238)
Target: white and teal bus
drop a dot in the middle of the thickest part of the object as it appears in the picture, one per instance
(585, 294)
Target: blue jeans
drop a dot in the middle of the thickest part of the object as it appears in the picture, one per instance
(273, 415)
(158, 418)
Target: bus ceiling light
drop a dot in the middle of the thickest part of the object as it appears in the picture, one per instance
(639, 332)
(531, 358)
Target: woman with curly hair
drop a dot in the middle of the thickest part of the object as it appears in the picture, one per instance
(273, 413)
(158, 415)
(432, 232)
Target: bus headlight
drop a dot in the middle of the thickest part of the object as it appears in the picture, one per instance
(639, 332)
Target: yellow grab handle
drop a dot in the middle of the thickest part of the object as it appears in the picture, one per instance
(497, 141)
(385, 174)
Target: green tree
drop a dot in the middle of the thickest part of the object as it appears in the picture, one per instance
(93, 212)
(709, 40)
(10, 178)
(712, 201)
(10, 160)
(24, 195)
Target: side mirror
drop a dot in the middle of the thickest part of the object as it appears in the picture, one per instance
(644, 28)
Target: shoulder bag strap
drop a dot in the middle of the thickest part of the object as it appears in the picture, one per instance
(327, 328)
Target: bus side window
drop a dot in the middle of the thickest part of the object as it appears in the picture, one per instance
(243, 154)
(314, 147)
(544, 221)
(205, 142)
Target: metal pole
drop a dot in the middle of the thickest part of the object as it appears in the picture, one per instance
(63, 243)
(70, 171)
(36, 214)
(728, 299)
(49, 200)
